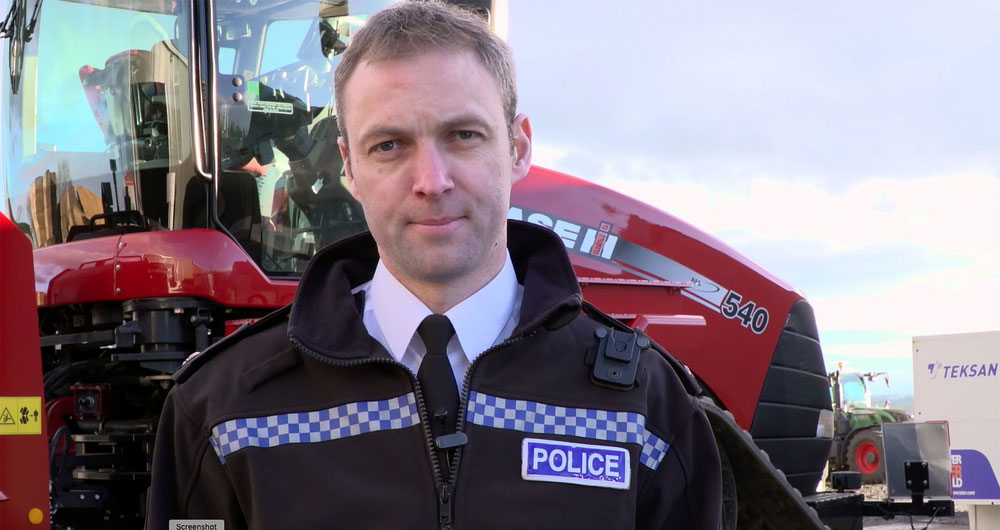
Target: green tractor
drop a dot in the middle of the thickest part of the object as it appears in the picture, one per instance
(857, 440)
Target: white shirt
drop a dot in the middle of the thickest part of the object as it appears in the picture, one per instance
(487, 317)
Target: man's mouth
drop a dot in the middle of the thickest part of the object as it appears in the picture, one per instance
(436, 221)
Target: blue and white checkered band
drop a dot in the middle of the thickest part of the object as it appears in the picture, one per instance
(542, 418)
(346, 420)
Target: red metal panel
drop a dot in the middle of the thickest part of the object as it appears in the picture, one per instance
(24, 477)
(727, 355)
(193, 263)
(75, 272)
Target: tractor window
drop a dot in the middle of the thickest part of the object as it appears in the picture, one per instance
(227, 60)
(854, 391)
(98, 122)
(281, 193)
(277, 52)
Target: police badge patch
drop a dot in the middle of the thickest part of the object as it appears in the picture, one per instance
(601, 466)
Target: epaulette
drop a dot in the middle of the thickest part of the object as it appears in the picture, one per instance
(197, 359)
(618, 350)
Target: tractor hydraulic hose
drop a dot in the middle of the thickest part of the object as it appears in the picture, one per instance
(108, 426)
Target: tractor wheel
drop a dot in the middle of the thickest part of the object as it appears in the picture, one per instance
(865, 455)
(729, 500)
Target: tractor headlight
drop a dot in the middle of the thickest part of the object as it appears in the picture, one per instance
(824, 428)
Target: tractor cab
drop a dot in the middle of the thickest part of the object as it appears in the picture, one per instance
(851, 395)
(853, 392)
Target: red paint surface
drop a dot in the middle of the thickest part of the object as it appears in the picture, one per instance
(24, 477)
(193, 263)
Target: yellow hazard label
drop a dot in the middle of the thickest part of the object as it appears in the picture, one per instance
(21, 415)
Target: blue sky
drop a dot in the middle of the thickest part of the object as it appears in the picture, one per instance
(852, 148)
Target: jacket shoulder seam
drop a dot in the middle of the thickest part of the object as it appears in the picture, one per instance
(197, 359)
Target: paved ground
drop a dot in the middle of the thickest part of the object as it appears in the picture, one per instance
(960, 521)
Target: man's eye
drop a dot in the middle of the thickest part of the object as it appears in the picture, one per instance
(386, 146)
(465, 135)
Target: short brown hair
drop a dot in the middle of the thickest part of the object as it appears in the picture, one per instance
(410, 28)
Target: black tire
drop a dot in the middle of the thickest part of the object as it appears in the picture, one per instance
(865, 454)
(729, 501)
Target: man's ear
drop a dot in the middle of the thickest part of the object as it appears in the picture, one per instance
(345, 156)
(522, 147)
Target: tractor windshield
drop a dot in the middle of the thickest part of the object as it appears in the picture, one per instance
(855, 391)
(97, 131)
(281, 165)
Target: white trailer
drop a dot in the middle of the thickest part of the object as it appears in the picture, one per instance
(957, 378)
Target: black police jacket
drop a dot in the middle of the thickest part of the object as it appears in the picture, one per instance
(304, 421)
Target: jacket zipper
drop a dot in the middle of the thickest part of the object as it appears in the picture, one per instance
(445, 491)
(442, 490)
(456, 457)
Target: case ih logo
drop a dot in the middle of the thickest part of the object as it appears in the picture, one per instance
(961, 371)
(581, 239)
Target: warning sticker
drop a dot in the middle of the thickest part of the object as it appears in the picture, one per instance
(270, 107)
(21, 415)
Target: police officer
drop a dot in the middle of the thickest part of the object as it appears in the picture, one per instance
(441, 371)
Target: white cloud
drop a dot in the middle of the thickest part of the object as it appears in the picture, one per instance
(954, 217)
(546, 155)
(953, 300)
(854, 356)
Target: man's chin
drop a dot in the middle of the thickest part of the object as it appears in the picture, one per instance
(441, 270)
(443, 259)
(437, 267)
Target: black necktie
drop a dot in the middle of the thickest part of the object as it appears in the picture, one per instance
(438, 381)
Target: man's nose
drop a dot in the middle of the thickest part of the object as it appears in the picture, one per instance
(431, 172)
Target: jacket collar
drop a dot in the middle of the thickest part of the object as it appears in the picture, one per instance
(326, 320)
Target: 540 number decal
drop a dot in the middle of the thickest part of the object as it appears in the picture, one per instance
(749, 314)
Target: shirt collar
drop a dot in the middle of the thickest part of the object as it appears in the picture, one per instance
(480, 318)
(397, 311)
(477, 320)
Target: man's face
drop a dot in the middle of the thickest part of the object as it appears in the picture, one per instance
(431, 163)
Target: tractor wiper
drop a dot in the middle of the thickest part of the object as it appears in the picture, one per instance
(15, 15)
(19, 33)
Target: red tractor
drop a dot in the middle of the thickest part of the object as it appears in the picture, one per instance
(173, 164)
